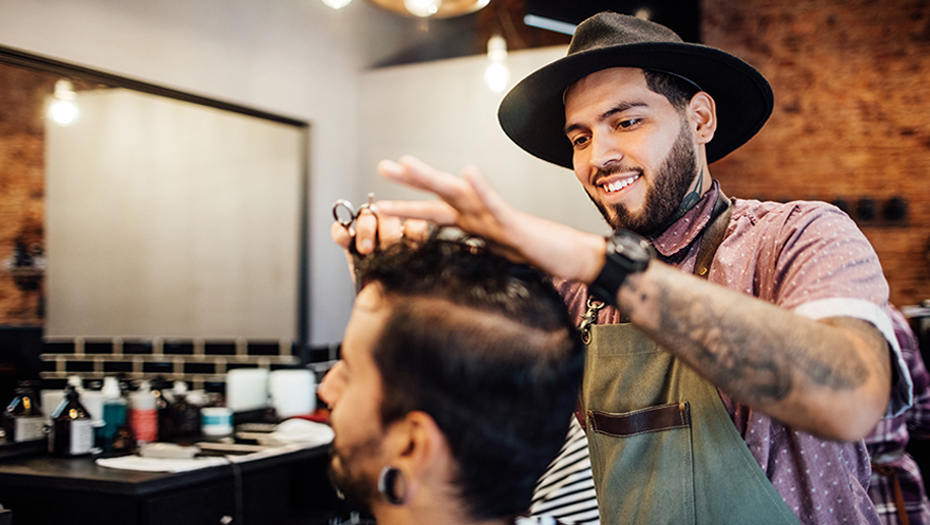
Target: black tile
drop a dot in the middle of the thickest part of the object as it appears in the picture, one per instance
(165, 367)
(220, 349)
(98, 347)
(320, 354)
(54, 384)
(59, 347)
(137, 347)
(117, 367)
(263, 349)
(178, 348)
(79, 366)
(200, 368)
(49, 366)
(230, 366)
(217, 387)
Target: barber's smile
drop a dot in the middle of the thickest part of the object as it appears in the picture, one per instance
(615, 185)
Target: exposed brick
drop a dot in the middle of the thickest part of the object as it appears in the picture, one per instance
(851, 113)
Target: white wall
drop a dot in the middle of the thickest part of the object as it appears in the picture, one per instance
(443, 113)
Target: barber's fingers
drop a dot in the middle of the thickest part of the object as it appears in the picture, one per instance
(366, 231)
(488, 196)
(415, 173)
(390, 228)
(416, 229)
(340, 234)
(343, 237)
(432, 211)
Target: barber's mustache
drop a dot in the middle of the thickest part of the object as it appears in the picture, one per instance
(613, 169)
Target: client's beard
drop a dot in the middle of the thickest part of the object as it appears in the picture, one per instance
(352, 483)
(662, 202)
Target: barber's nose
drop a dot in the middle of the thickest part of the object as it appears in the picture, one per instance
(604, 151)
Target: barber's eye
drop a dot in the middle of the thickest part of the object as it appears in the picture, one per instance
(627, 123)
(579, 141)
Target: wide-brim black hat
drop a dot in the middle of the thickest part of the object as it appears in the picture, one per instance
(533, 113)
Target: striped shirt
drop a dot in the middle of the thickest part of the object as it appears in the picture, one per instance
(566, 490)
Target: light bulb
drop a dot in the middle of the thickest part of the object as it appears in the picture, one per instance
(64, 110)
(497, 49)
(423, 8)
(496, 76)
(337, 4)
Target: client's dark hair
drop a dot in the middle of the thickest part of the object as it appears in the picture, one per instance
(487, 349)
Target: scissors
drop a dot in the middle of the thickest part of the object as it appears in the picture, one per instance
(347, 215)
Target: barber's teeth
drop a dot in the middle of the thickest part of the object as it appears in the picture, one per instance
(619, 185)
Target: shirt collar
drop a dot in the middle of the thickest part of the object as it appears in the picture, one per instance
(687, 228)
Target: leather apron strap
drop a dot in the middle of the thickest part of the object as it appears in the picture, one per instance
(666, 450)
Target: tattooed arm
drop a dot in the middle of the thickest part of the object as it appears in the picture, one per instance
(830, 377)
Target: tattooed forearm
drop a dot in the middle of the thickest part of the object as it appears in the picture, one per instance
(750, 349)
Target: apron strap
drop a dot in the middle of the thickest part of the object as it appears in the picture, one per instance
(713, 235)
(710, 241)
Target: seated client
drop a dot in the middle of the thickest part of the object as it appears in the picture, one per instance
(458, 372)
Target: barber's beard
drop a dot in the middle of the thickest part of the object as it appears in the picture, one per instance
(662, 201)
(346, 472)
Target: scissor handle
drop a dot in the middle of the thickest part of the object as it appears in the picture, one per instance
(346, 205)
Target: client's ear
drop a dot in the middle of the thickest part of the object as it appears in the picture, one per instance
(417, 447)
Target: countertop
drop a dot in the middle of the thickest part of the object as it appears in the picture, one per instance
(83, 474)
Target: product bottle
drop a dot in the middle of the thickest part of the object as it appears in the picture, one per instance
(180, 418)
(114, 411)
(22, 419)
(144, 417)
(72, 432)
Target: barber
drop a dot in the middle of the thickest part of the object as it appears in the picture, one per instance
(738, 350)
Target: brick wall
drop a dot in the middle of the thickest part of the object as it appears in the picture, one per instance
(852, 115)
(22, 190)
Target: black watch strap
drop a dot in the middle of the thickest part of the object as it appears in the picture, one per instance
(618, 264)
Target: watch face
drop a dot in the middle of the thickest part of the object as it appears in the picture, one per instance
(632, 245)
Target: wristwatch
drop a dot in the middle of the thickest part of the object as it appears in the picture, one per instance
(627, 253)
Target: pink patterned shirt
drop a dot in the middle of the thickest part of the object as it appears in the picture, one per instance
(811, 258)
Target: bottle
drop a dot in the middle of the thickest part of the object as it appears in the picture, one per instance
(114, 411)
(144, 416)
(23, 419)
(180, 418)
(72, 429)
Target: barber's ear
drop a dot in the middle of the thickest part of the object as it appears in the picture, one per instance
(418, 448)
(702, 112)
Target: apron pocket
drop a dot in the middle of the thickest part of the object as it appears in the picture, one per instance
(652, 419)
(649, 454)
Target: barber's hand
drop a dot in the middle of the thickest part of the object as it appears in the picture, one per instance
(469, 203)
(372, 227)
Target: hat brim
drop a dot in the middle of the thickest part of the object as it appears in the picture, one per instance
(532, 114)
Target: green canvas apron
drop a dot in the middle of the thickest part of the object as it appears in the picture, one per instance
(663, 447)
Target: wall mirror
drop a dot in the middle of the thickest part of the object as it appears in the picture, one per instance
(155, 216)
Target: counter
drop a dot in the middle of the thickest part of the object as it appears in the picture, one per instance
(288, 489)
